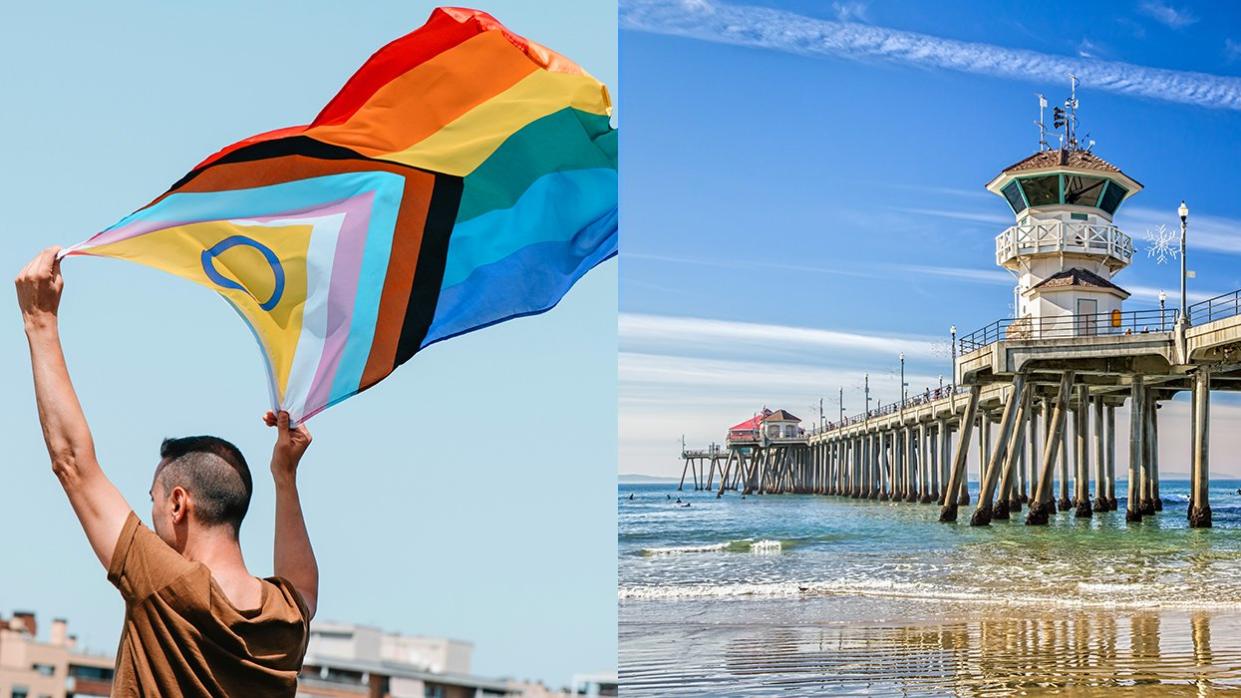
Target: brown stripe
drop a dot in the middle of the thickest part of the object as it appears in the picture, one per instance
(406, 239)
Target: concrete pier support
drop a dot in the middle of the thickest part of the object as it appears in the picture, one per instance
(997, 458)
(924, 464)
(1153, 430)
(1137, 422)
(1064, 503)
(1100, 456)
(915, 464)
(1081, 439)
(1042, 505)
(1147, 504)
(1200, 478)
(1015, 452)
(945, 459)
(875, 466)
(984, 446)
(957, 477)
(1110, 472)
(936, 435)
(1032, 437)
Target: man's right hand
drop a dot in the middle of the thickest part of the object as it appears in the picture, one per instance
(39, 286)
(291, 444)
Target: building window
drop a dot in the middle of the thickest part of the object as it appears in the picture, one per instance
(44, 669)
(429, 691)
(1082, 191)
(1013, 194)
(20, 692)
(1042, 191)
(1112, 197)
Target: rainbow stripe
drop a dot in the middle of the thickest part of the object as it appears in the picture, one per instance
(462, 177)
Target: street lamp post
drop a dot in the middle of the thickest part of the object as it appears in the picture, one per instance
(903, 396)
(953, 331)
(1162, 298)
(1183, 211)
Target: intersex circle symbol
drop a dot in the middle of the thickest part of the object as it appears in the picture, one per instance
(208, 259)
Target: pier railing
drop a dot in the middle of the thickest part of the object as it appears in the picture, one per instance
(1222, 306)
(1068, 326)
(924, 398)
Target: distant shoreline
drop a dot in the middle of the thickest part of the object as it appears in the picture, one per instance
(636, 479)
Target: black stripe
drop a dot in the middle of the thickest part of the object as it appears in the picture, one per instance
(293, 145)
(429, 273)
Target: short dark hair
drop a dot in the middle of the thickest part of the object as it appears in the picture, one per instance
(214, 472)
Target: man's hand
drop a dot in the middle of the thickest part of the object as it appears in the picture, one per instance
(291, 444)
(38, 290)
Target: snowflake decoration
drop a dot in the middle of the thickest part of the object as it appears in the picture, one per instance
(1164, 244)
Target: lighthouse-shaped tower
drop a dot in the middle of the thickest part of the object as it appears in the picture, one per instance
(1064, 248)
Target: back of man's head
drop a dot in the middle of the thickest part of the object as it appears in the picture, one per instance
(215, 475)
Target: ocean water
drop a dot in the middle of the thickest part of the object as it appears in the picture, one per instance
(806, 595)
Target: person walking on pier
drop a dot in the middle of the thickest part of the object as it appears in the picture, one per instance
(197, 623)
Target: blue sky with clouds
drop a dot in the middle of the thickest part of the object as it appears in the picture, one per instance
(471, 494)
(803, 199)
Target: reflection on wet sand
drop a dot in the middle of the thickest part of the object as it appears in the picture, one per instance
(1000, 653)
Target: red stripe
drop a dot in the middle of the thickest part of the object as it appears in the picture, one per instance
(446, 28)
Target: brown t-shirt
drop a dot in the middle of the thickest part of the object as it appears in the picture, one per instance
(183, 637)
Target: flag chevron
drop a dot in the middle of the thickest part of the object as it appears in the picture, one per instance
(462, 177)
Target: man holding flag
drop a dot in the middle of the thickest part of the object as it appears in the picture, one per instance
(197, 623)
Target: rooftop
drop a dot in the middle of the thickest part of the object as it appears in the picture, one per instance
(1080, 278)
(1064, 157)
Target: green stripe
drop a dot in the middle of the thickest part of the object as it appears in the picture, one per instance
(569, 139)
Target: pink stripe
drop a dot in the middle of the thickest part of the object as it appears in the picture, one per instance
(143, 227)
(346, 269)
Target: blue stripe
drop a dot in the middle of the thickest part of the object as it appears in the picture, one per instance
(379, 232)
(528, 281)
(272, 199)
(554, 208)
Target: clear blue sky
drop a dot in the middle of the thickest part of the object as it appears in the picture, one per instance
(471, 494)
(817, 165)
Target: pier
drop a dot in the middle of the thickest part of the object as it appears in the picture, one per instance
(1017, 394)
(1037, 394)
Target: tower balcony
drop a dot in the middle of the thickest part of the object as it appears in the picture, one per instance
(1034, 237)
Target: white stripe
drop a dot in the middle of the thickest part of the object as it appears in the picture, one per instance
(325, 231)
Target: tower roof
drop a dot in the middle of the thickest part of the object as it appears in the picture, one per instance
(1072, 159)
(1082, 278)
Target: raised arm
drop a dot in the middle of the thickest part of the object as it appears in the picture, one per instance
(96, 501)
(294, 558)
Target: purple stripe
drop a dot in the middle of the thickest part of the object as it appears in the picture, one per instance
(346, 268)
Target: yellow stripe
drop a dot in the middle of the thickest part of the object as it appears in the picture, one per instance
(178, 250)
(461, 146)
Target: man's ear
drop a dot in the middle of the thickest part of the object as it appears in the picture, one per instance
(180, 505)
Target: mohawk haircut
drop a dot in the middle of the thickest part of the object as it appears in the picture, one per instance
(214, 472)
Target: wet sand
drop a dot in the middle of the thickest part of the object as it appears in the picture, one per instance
(842, 645)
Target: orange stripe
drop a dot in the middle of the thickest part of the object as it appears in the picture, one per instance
(420, 102)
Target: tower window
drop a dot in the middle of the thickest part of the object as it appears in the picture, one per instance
(1112, 197)
(1042, 191)
(1013, 194)
(1082, 191)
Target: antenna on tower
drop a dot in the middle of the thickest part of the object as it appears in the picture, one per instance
(1066, 118)
(1071, 105)
(1042, 127)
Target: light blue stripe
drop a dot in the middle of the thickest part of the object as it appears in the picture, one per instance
(379, 232)
(284, 198)
(556, 206)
